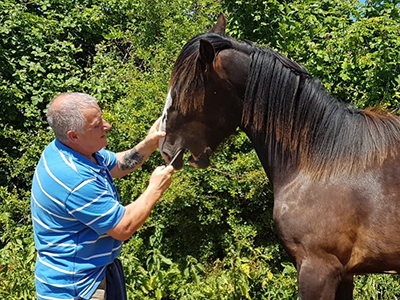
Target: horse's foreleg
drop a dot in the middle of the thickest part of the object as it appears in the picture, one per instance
(345, 288)
(318, 278)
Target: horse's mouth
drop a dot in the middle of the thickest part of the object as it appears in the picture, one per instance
(200, 161)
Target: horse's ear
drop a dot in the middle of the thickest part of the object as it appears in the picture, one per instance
(220, 27)
(207, 54)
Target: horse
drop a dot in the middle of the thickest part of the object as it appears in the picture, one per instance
(334, 169)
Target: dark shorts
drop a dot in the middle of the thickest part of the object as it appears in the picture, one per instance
(116, 287)
(115, 282)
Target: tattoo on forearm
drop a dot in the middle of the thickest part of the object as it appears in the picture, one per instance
(131, 160)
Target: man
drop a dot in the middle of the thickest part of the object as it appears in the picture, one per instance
(78, 221)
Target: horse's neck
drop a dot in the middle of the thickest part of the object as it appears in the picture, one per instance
(321, 136)
(273, 159)
(284, 134)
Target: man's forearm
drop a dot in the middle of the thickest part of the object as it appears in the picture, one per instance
(131, 160)
(136, 213)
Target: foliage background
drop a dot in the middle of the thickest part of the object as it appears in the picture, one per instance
(212, 235)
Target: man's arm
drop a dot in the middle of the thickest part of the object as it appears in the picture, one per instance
(132, 159)
(138, 211)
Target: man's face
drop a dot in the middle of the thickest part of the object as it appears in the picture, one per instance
(94, 136)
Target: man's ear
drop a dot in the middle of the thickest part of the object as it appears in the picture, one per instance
(72, 136)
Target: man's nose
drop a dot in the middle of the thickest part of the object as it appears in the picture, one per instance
(106, 125)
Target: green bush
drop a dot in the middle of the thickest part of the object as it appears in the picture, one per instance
(211, 236)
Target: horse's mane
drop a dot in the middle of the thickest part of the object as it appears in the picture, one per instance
(300, 121)
(292, 112)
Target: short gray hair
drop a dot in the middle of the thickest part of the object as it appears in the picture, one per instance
(67, 115)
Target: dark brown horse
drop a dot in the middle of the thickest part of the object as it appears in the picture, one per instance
(335, 170)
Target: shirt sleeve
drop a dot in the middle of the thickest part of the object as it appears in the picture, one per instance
(110, 159)
(93, 204)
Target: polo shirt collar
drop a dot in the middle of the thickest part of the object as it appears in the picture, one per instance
(81, 158)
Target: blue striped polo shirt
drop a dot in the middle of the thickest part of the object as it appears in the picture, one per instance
(74, 204)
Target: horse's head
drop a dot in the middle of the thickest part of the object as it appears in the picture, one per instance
(204, 103)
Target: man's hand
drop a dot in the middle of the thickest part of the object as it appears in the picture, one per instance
(154, 135)
(160, 179)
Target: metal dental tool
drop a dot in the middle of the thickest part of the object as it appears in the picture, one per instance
(175, 157)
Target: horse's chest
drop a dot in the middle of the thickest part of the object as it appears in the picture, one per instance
(303, 207)
(300, 197)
